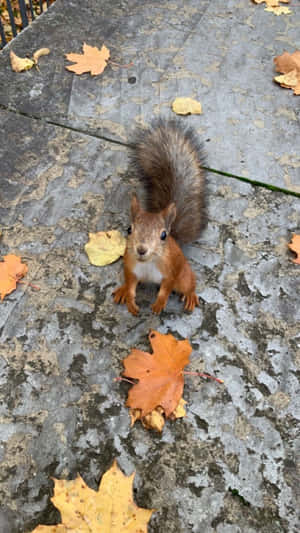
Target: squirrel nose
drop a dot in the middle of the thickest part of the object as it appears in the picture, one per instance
(141, 250)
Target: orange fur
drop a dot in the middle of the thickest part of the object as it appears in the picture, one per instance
(168, 160)
(176, 273)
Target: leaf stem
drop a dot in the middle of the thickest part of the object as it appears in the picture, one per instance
(118, 64)
(202, 375)
(124, 379)
(29, 284)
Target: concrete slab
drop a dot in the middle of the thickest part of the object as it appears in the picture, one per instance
(232, 464)
(221, 53)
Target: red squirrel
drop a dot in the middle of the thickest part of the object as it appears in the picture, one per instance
(168, 159)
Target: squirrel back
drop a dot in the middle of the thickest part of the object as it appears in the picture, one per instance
(167, 158)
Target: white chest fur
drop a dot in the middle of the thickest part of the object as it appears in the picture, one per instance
(147, 271)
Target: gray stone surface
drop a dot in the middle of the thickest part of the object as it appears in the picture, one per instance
(232, 465)
(218, 52)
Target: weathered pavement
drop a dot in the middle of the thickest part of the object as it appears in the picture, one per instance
(231, 465)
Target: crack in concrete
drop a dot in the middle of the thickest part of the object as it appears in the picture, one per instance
(254, 183)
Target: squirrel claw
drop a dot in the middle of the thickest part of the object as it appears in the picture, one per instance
(121, 297)
(157, 307)
(133, 308)
(191, 301)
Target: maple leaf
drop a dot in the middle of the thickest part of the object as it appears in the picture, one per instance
(294, 245)
(160, 374)
(11, 271)
(105, 247)
(110, 510)
(92, 60)
(289, 66)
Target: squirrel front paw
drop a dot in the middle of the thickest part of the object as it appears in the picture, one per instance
(121, 296)
(190, 301)
(158, 306)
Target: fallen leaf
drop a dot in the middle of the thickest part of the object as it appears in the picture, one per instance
(289, 66)
(274, 6)
(289, 80)
(39, 53)
(160, 374)
(156, 420)
(180, 411)
(280, 10)
(186, 106)
(92, 60)
(18, 64)
(294, 245)
(11, 271)
(105, 247)
(272, 3)
(110, 510)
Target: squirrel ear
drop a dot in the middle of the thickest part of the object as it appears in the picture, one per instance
(170, 214)
(135, 206)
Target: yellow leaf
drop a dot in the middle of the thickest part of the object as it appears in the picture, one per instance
(180, 411)
(39, 53)
(279, 10)
(272, 3)
(110, 510)
(156, 420)
(186, 106)
(288, 80)
(18, 64)
(105, 247)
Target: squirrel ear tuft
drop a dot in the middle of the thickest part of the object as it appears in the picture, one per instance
(135, 206)
(170, 214)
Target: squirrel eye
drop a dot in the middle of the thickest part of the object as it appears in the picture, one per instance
(129, 230)
(163, 235)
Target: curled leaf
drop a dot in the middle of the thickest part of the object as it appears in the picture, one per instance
(156, 419)
(39, 53)
(18, 64)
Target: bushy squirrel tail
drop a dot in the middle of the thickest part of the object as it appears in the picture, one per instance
(167, 158)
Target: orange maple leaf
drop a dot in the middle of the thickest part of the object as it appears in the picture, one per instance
(11, 271)
(294, 245)
(92, 60)
(160, 374)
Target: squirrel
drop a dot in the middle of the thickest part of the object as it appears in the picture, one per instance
(168, 159)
